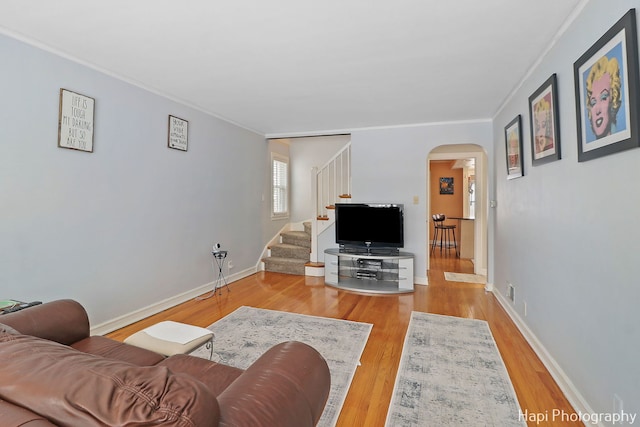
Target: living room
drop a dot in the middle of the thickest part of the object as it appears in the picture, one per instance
(128, 229)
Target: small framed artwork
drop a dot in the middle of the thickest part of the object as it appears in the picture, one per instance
(543, 117)
(75, 121)
(178, 133)
(513, 142)
(446, 185)
(606, 90)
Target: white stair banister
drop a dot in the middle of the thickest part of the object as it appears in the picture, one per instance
(331, 184)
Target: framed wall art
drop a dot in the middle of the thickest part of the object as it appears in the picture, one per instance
(75, 121)
(513, 142)
(606, 90)
(544, 123)
(446, 185)
(178, 133)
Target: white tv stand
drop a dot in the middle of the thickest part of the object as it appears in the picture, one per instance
(369, 271)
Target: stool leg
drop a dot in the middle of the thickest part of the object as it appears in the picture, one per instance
(455, 244)
(446, 241)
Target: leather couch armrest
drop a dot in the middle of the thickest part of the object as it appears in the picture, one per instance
(63, 321)
(15, 416)
(71, 388)
(287, 386)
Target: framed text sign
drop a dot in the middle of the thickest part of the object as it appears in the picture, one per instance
(75, 121)
(178, 133)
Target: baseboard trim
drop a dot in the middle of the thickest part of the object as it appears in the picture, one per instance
(314, 270)
(157, 307)
(570, 391)
(421, 280)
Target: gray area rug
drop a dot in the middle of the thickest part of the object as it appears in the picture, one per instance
(244, 335)
(451, 374)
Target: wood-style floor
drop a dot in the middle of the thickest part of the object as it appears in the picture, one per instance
(370, 393)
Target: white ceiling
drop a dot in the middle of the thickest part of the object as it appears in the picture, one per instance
(301, 67)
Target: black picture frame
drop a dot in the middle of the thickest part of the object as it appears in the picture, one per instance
(608, 123)
(446, 185)
(545, 123)
(178, 134)
(76, 118)
(513, 148)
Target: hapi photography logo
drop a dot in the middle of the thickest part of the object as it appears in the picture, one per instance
(557, 415)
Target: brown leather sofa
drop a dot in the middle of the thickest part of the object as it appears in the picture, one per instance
(52, 373)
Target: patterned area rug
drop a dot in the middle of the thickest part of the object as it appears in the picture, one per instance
(451, 374)
(464, 277)
(244, 335)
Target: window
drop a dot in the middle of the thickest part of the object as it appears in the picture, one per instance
(279, 186)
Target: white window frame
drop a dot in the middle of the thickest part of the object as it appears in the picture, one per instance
(280, 214)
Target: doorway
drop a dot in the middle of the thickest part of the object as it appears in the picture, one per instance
(464, 167)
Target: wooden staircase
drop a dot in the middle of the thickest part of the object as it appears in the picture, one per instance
(292, 254)
(297, 251)
(342, 198)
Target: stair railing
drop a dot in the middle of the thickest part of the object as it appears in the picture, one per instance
(330, 184)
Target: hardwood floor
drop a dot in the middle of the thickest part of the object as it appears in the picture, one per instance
(370, 393)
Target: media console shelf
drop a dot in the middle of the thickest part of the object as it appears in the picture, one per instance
(369, 272)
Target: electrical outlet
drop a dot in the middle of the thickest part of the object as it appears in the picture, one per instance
(416, 200)
(524, 303)
(511, 292)
(230, 264)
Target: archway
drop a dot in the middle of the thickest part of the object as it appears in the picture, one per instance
(480, 226)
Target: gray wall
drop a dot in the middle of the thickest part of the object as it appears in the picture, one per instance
(568, 238)
(137, 220)
(307, 153)
(390, 166)
(273, 226)
(133, 222)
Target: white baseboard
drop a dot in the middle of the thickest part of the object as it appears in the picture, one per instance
(314, 271)
(157, 307)
(420, 280)
(570, 391)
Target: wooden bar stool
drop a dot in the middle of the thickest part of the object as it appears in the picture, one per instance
(446, 231)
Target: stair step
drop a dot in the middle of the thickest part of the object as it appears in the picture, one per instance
(299, 238)
(284, 250)
(285, 265)
(315, 264)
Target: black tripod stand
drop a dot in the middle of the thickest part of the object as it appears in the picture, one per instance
(219, 258)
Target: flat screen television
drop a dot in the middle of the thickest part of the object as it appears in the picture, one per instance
(369, 225)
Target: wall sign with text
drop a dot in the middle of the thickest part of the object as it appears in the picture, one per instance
(178, 133)
(75, 121)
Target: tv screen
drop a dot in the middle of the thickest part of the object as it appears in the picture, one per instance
(370, 225)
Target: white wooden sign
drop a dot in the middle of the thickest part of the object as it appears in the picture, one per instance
(75, 121)
(178, 133)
